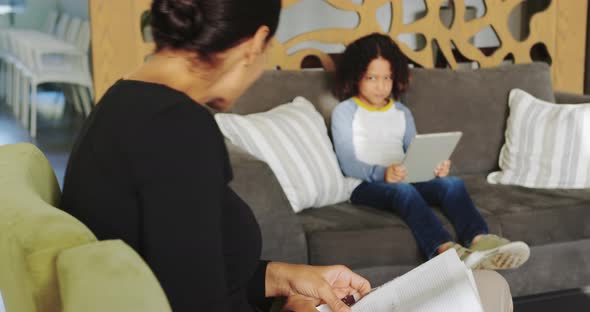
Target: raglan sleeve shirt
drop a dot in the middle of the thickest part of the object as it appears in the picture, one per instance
(343, 138)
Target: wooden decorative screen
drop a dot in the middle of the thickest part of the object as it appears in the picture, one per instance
(117, 41)
(560, 30)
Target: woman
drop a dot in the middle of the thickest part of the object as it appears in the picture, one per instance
(150, 166)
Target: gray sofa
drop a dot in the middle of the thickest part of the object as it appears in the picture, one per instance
(377, 244)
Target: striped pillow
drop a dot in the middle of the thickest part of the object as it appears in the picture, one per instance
(547, 145)
(293, 140)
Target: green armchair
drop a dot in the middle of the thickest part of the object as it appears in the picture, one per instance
(50, 261)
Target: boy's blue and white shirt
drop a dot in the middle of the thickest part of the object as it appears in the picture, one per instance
(368, 140)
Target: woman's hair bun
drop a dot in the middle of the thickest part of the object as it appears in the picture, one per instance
(182, 19)
(210, 26)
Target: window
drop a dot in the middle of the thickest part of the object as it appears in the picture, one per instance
(12, 6)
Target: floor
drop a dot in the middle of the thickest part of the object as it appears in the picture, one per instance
(577, 300)
(55, 136)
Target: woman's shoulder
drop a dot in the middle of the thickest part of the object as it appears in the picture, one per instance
(132, 108)
(147, 93)
(146, 100)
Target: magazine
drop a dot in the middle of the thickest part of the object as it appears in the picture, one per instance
(442, 284)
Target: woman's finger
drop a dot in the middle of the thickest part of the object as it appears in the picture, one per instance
(361, 284)
(328, 296)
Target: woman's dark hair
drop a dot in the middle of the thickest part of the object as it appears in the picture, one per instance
(210, 26)
(355, 60)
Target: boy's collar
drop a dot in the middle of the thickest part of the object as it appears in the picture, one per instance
(368, 107)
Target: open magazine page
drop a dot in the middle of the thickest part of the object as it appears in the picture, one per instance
(441, 284)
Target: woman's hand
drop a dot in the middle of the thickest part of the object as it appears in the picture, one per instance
(395, 173)
(327, 284)
(443, 169)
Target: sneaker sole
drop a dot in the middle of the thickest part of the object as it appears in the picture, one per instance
(509, 256)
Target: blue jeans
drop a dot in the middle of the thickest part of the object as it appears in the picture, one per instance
(411, 202)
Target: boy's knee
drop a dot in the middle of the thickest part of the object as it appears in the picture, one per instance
(405, 190)
(451, 182)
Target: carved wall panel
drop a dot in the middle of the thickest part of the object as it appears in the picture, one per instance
(560, 30)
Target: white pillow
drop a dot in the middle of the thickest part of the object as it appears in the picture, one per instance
(547, 145)
(293, 140)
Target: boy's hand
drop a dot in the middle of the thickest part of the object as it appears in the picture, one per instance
(395, 173)
(443, 169)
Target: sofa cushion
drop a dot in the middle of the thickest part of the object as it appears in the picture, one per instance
(357, 236)
(362, 237)
(475, 102)
(472, 101)
(536, 216)
(278, 87)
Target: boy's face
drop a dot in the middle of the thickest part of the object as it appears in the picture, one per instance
(376, 85)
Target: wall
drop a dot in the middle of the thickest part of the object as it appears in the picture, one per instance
(77, 8)
(34, 15)
(119, 48)
(309, 15)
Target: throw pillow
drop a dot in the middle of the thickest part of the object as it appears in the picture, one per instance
(293, 140)
(547, 145)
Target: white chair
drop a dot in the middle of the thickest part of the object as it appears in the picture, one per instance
(62, 26)
(5, 65)
(44, 59)
(49, 25)
(78, 34)
(83, 43)
(10, 73)
(30, 58)
(73, 30)
(83, 40)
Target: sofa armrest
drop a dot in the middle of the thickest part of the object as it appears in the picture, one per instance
(283, 238)
(571, 98)
(108, 276)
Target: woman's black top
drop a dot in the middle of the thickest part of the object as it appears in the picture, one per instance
(150, 167)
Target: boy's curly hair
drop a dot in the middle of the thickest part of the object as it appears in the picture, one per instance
(356, 58)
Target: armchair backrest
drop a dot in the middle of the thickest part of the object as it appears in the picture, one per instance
(50, 261)
(33, 230)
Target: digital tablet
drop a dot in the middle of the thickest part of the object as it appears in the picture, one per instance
(426, 152)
